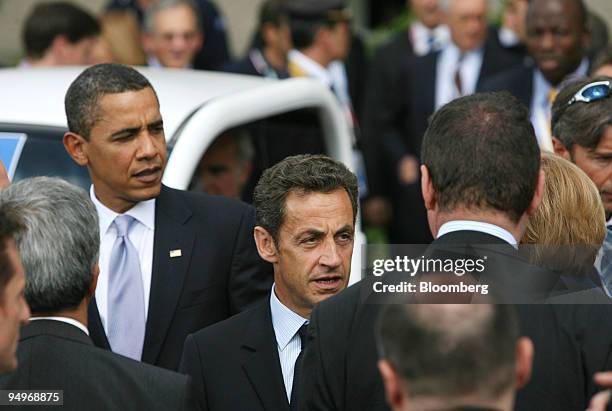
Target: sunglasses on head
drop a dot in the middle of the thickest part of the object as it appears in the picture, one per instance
(592, 92)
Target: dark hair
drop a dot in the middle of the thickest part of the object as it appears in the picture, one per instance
(303, 32)
(583, 13)
(52, 19)
(10, 226)
(603, 58)
(481, 152)
(273, 12)
(450, 350)
(83, 95)
(581, 123)
(301, 174)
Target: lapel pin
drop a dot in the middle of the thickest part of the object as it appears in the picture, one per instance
(175, 253)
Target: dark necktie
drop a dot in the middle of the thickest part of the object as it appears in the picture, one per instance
(302, 332)
(458, 80)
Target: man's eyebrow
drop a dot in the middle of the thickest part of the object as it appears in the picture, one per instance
(346, 229)
(128, 130)
(156, 123)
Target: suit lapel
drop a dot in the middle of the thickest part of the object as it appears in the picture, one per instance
(261, 363)
(94, 324)
(169, 268)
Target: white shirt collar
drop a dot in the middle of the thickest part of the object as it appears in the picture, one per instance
(420, 36)
(542, 86)
(286, 323)
(66, 320)
(143, 211)
(311, 67)
(469, 225)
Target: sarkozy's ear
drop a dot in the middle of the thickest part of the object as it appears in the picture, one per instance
(266, 246)
(76, 146)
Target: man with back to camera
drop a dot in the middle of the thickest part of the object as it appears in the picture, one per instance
(464, 210)
(191, 259)
(557, 37)
(424, 350)
(59, 34)
(59, 245)
(306, 210)
(14, 311)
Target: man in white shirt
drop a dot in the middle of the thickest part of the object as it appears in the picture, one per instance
(321, 39)
(557, 37)
(427, 83)
(59, 246)
(306, 208)
(171, 262)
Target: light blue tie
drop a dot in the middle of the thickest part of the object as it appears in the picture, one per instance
(606, 261)
(126, 314)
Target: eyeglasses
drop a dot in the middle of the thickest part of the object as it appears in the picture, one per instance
(592, 92)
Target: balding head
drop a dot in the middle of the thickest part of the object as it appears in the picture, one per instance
(448, 354)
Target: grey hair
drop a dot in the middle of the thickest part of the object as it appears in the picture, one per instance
(159, 5)
(244, 145)
(59, 244)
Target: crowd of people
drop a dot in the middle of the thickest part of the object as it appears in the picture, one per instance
(479, 143)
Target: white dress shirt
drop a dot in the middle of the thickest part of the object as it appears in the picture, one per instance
(420, 35)
(469, 225)
(141, 235)
(540, 105)
(66, 320)
(286, 324)
(447, 64)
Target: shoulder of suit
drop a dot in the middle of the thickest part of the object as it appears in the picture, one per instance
(514, 75)
(200, 200)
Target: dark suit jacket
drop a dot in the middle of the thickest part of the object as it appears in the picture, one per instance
(57, 356)
(339, 369)
(234, 364)
(218, 274)
(517, 81)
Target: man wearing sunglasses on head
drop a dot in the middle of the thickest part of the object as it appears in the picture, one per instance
(582, 133)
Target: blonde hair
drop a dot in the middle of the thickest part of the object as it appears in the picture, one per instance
(571, 214)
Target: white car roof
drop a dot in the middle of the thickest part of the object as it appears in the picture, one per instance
(36, 95)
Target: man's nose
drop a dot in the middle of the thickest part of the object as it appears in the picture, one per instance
(331, 256)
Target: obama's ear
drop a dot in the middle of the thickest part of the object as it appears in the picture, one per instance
(76, 146)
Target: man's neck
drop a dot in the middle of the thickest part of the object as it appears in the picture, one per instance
(78, 314)
(318, 55)
(490, 217)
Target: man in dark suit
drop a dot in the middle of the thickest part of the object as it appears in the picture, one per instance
(557, 57)
(478, 199)
(268, 55)
(14, 311)
(427, 83)
(306, 209)
(190, 260)
(59, 247)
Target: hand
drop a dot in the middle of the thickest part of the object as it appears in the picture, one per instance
(408, 169)
(4, 178)
(601, 399)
